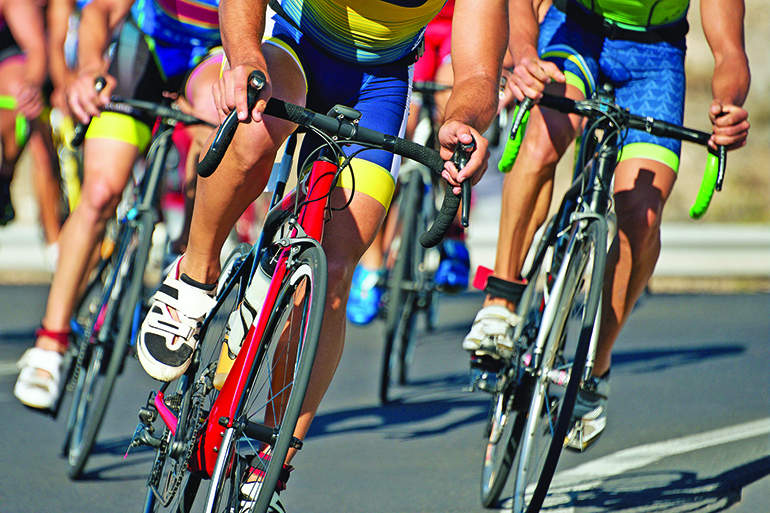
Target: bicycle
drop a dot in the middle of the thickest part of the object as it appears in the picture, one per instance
(244, 427)
(410, 288)
(534, 391)
(107, 317)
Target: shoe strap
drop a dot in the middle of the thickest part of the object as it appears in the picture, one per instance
(496, 313)
(43, 359)
(158, 320)
(190, 301)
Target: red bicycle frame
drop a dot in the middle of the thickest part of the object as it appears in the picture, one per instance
(227, 405)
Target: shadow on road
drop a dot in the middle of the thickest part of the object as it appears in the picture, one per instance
(101, 470)
(661, 359)
(429, 416)
(647, 492)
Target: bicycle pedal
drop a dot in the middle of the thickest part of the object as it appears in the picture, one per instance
(484, 373)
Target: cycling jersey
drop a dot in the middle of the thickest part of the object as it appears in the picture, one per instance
(639, 13)
(364, 31)
(179, 32)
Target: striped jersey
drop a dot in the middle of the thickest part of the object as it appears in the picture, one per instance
(184, 22)
(365, 31)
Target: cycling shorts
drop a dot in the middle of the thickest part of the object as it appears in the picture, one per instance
(140, 75)
(379, 92)
(8, 46)
(438, 47)
(649, 78)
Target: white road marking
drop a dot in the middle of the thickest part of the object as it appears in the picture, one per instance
(592, 474)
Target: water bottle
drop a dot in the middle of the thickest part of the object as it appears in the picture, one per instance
(240, 321)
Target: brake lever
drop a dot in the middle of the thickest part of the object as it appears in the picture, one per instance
(460, 158)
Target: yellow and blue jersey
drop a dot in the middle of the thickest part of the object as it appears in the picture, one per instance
(364, 31)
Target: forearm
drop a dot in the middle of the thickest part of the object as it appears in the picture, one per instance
(731, 79)
(524, 28)
(479, 42)
(242, 24)
(474, 101)
(58, 14)
(98, 20)
(25, 21)
(723, 27)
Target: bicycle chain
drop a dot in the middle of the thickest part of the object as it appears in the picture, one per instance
(183, 461)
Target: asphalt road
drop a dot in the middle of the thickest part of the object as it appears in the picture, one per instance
(688, 430)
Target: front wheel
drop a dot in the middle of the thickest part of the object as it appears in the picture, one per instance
(102, 351)
(276, 389)
(577, 295)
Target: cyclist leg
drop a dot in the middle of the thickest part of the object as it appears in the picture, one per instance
(112, 144)
(644, 178)
(528, 186)
(200, 103)
(219, 201)
(12, 70)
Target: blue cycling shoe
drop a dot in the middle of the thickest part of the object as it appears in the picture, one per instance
(365, 296)
(454, 270)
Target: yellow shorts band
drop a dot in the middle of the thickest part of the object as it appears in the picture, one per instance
(119, 127)
(575, 81)
(643, 150)
(370, 179)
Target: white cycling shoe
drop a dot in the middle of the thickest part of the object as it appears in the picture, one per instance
(169, 333)
(492, 332)
(38, 389)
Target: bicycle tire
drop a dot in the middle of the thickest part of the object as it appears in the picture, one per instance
(556, 383)
(400, 311)
(195, 392)
(507, 411)
(90, 402)
(302, 291)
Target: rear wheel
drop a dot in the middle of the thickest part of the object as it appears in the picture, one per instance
(278, 382)
(401, 293)
(556, 380)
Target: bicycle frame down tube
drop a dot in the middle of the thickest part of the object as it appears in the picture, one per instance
(228, 403)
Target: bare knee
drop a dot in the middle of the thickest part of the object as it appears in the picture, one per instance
(99, 199)
(639, 218)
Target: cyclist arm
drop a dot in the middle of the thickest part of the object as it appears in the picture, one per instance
(530, 73)
(25, 20)
(57, 18)
(723, 27)
(242, 24)
(478, 48)
(98, 21)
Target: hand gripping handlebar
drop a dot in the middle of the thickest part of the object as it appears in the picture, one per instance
(345, 131)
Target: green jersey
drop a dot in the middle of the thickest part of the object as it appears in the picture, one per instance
(639, 13)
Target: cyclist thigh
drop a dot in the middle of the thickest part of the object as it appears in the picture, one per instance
(649, 80)
(255, 144)
(197, 90)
